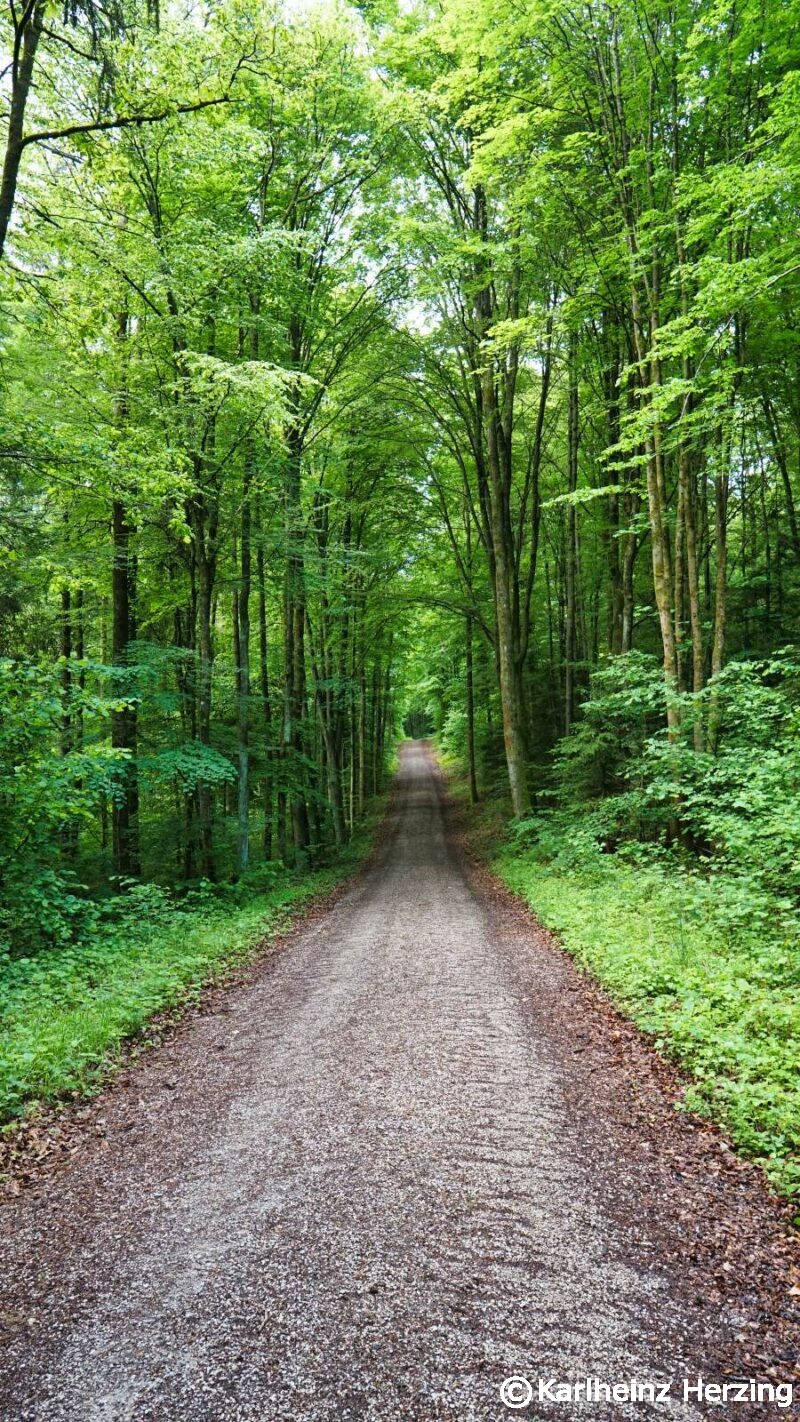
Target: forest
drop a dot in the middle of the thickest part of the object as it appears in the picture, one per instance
(402, 369)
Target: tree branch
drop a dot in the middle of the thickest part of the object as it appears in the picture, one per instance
(120, 121)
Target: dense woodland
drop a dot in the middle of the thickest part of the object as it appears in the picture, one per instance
(399, 365)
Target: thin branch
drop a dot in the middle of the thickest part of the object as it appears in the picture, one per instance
(120, 121)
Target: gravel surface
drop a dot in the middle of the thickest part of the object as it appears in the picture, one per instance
(363, 1187)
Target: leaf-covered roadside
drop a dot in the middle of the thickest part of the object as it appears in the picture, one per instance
(64, 1014)
(726, 1007)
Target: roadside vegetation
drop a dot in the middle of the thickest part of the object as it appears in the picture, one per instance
(65, 1013)
(717, 991)
(673, 877)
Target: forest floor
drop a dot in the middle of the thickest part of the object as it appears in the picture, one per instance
(413, 1153)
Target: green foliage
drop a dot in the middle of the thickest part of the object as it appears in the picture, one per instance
(50, 792)
(188, 766)
(63, 1013)
(44, 794)
(625, 709)
(672, 874)
(710, 968)
(734, 810)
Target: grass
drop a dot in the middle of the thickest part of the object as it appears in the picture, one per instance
(706, 965)
(65, 1013)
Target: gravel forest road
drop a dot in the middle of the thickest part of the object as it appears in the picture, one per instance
(356, 1189)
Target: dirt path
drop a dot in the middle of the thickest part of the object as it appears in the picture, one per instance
(361, 1189)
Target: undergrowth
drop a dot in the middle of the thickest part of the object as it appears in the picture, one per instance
(64, 1013)
(707, 964)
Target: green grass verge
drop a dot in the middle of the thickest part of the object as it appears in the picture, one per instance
(64, 1014)
(707, 963)
(677, 955)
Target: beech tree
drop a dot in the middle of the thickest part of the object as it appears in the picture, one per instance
(363, 369)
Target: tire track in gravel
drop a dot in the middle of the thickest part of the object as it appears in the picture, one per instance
(357, 1193)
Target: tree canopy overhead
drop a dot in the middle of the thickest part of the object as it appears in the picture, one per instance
(400, 364)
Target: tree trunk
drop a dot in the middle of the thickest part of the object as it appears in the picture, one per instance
(205, 648)
(27, 34)
(362, 719)
(65, 654)
(720, 589)
(333, 770)
(497, 430)
(69, 833)
(266, 707)
(779, 449)
(242, 610)
(473, 777)
(686, 476)
(509, 670)
(628, 570)
(572, 536)
(662, 577)
(294, 652)
(124, 728)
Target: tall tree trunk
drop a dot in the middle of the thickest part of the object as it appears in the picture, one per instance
(80, 652)
(628, 570)
(333, 772)
(351, 715)
(510, 689)
(687, 479)
(185, 637)
(721, 481)
(243, 666)
(205, 647)
(77, 734)
(509, 670)
(27, 32)
(779, 449)
(326, 698)
(662, 575)
(65, 654)
(631, 505)
(687, 493)
(497, 429)
(69, 840)
(124, 722)
(294, 651)
(362, 717)
(124, 727)
(473, 777)
(266, 706)
(650, 371)
(679, 581)
(571, 561)
(611, 400)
